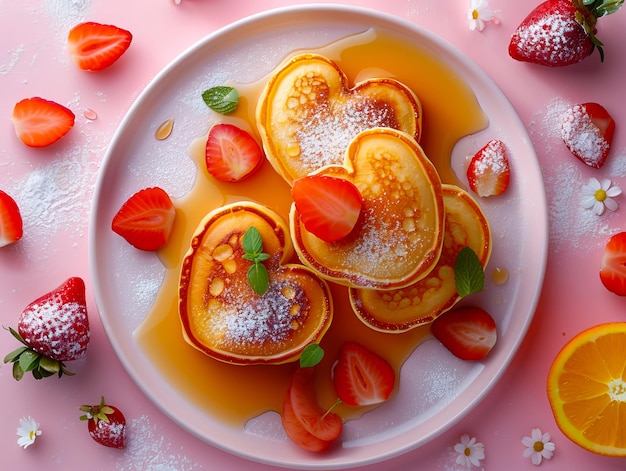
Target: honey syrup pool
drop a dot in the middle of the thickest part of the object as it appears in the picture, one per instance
(235, 394)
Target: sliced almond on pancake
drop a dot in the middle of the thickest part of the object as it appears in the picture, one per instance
(220, 313)
(422, 302)
(308, 114)
(399, 235)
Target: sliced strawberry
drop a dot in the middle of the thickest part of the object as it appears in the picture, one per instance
(39, 122)
(329, 207)
(146, 219)
(587, 130)
(469, 333)
(94, 46)
(318, 422)
(106, 424)
(488, 173)
(296, 431)
(613, 265)
(232, 154)
(361, 377)
(11, 227)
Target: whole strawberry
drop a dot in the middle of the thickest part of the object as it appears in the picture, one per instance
(561, 32)
(54, 328)
(106, 424)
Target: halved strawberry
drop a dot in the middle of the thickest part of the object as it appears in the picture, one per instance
(613, 265)
(94, 46)
(318, 422)
(232, 154)
(39, 122)
(54, 328)
(11, 226)
(146, 219)
(469, 332)
(329, 207)
(361, 377)
(488, 173)
(587, 130)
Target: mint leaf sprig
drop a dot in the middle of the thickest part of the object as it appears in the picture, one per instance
(469, 275)
(221, 99)
(311, 355)
(257, 273)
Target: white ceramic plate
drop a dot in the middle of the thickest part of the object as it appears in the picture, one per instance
(126, 280)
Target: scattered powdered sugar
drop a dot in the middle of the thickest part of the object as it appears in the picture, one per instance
(582, 136)
(56, 196)
(324, 136)
(267, 318)
(147, 449)
(64, 14)
(571, 224)
(9, 59)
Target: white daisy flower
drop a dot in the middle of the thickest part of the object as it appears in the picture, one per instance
(479, 13)
(538, 446)
(598, 195)
(470, 451)
(28, 431)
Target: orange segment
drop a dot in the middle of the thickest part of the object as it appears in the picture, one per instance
(587, 389)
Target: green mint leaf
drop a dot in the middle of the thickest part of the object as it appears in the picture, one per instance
(252, 243)
(311, 355)
(258, 278)
(221, 99)
(469, 275)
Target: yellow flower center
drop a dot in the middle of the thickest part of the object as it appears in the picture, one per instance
(538, 447)
(600, 195)
(475, 14)
(467, 451)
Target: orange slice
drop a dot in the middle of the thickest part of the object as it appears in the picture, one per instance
(307, 113)
(221, 314)
(399, 310)
(587, 389)
(399, 234)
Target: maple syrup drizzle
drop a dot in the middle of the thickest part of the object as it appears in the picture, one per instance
(235, 394)
(164, 130)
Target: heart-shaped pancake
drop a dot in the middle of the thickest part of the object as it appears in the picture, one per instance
(220, 312)
(399, 310)
(307, 114)
(398, 237)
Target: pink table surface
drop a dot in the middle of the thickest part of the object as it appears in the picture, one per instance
(55, 207)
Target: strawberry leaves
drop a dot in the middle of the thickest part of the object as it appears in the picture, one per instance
(26, 360)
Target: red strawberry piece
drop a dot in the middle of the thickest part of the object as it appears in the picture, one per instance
(560, 32)
(317, 421)
(94, 46)
(11, 227)
(39, 122)
(469, 333)
(488, 173)
(232, 154)
(613, 265)
(296, 431)
(361, 377)
(146, 219)
(54, 328)
(587, 130)
(329, 207)
(106, 424)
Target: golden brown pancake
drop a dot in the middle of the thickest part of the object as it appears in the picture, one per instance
(308, 114)
(422, 302)
(221, 314)
(399, 235)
